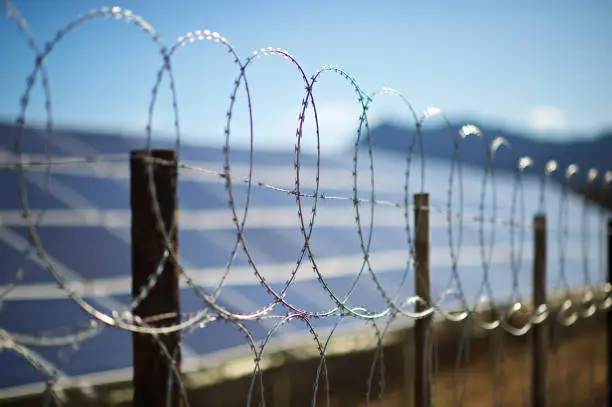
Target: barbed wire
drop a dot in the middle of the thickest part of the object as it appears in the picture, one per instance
(280, 311)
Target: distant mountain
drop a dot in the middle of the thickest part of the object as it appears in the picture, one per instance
(593, 153)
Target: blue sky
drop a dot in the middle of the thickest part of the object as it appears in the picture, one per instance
(543, 66)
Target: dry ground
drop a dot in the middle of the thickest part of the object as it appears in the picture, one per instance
(488, 375)
(577, 373)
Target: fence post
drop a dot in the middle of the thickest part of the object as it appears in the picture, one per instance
(422, 385)
(151, 366)
(609, 319)
(539, 379)
(408, 369)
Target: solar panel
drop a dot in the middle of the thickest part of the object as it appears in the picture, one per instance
(86, 234)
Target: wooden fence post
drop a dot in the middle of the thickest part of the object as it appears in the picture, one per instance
(422, 345)
(151, 366)
(539, 379)
(408, 369)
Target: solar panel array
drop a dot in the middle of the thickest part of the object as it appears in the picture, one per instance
(85, 231)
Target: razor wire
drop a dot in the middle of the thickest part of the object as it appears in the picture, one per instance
(280, 311)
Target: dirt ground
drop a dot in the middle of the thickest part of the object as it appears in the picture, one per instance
(577, 374)
(491, 370)
(490, 373)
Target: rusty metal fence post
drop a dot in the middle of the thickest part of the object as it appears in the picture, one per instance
(422, 345)
(151, 366)
(539, 379)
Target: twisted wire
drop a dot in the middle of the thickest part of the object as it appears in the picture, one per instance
(280, 310)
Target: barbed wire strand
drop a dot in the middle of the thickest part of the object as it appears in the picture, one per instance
(596, 294)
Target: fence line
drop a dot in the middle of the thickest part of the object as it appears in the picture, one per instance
(595, 294)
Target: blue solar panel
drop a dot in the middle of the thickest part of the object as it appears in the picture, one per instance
(37, 196)
(99, 192)
(259, 197)
(247, 299)
(19, 267)
(98, 253)
(103, 253)
(43, 316)
(205, 341)
(20, 372)
(110, 350)
(196, 195)
(200, 249)
(31, 141)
